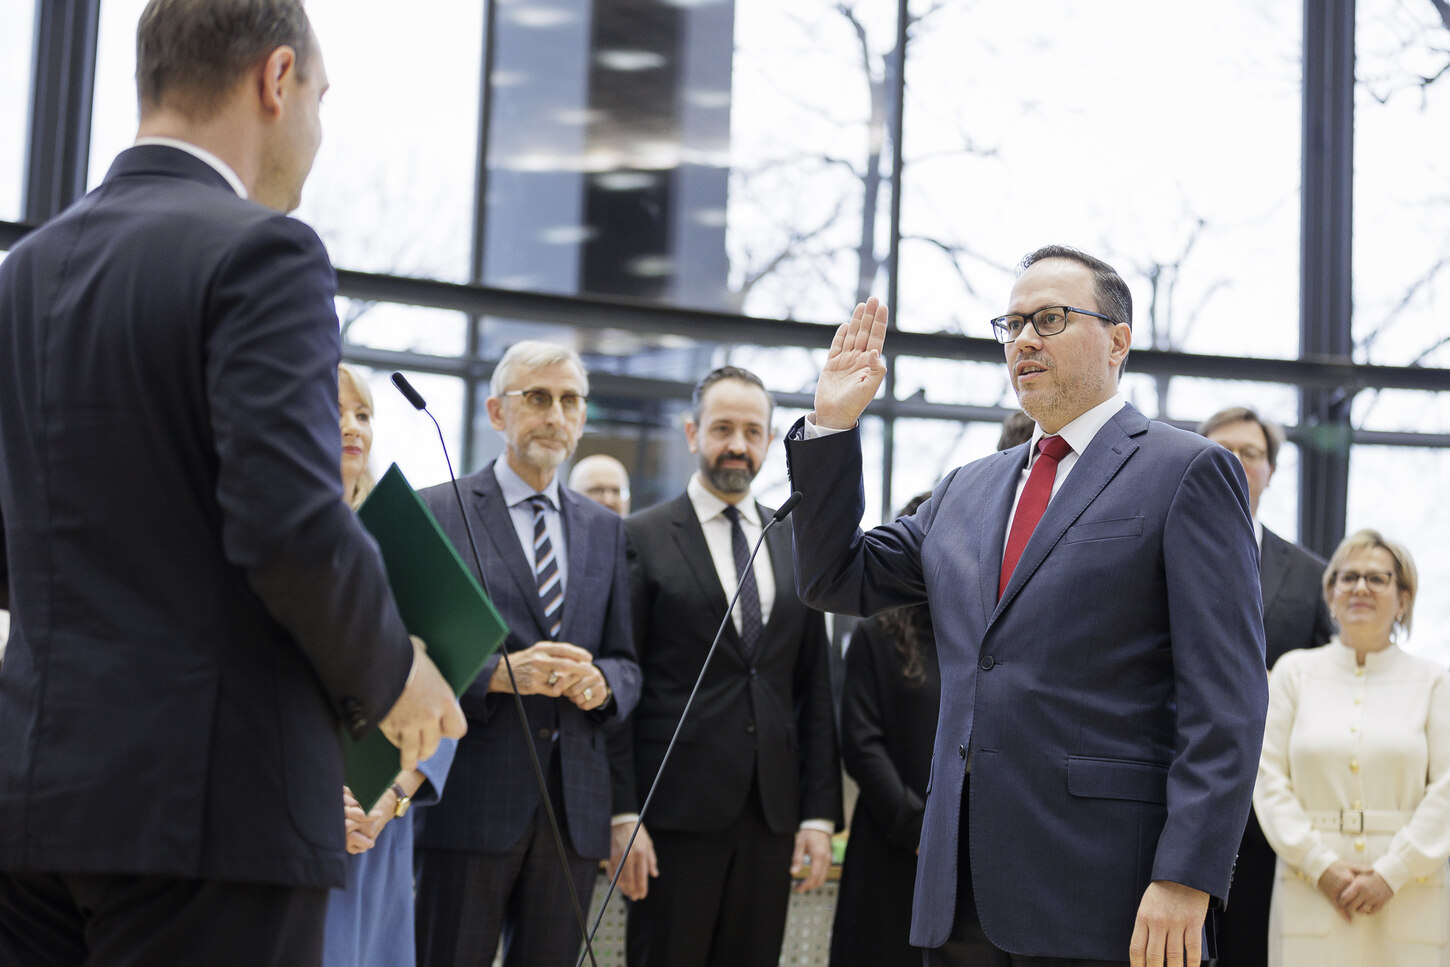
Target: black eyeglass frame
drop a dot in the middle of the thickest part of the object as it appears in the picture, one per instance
(999, 324)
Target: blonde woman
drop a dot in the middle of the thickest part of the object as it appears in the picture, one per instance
(1354, 782)
(370, 921)
(355, 417)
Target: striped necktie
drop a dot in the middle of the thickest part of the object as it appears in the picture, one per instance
(546, 568)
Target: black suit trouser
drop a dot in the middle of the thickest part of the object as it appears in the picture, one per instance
(122, 920)
(466, 902)
(721, 898)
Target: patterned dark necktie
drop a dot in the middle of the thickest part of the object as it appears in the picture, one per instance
(750, 623)
(546, 568)
(1032, 504)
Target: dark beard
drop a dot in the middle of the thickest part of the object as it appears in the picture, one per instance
(730, 480)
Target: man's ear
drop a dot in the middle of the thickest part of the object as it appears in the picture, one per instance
(691, 433)
(494, 405)
(277, 71)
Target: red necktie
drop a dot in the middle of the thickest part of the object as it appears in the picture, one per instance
(1032, 504)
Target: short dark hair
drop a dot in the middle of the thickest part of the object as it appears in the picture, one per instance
(194, 51)
(1273, 436)
(1111, 292)
(697, 398)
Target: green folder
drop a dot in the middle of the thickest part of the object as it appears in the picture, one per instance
(439, 601)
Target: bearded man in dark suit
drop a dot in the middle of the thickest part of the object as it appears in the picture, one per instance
(753, 790)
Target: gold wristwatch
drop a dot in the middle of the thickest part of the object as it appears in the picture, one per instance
(400, 808)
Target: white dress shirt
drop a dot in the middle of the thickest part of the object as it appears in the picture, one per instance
(201, 154)
(710, 510)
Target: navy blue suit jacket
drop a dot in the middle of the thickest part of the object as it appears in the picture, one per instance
(195, 609)
(492, 790)
(1112, 702)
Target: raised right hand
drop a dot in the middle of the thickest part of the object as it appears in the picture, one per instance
(854, 368)
(424, 713)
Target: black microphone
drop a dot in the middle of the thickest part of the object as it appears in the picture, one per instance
(416, 398)
(775, 518)
(790, 504)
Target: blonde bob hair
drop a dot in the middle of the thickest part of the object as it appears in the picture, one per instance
(1406, 576)
(365, 480)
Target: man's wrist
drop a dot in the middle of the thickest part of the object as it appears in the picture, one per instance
(624, 819)
(819, 825)
(814, 429)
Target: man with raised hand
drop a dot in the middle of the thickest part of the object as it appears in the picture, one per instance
(1095, 595)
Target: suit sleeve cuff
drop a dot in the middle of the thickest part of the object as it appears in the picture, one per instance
(810, 430)
(621, 819)
(819, 825)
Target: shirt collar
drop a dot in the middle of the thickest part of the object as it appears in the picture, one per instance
(708, 506)
(515, 491)
(201, 154)
(1080, 432)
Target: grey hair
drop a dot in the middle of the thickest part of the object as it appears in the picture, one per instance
(533, 354)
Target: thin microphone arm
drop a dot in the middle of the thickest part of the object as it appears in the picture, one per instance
(775, 518)
(416, 398)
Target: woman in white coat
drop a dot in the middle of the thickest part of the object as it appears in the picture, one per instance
(1354, 783)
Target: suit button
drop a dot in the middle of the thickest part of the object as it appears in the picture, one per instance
(1353, 765)
(544, 734)
(1359, 844)
(750, 727)
(962, 751)
(753, 674)
(986, 663)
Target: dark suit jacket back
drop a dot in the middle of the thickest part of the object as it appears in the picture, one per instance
(768, 718)
(492, 790)
(194, 607)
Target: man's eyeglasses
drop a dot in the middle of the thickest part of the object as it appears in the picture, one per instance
(1048, 321)
(541, 400)
(1377, 581)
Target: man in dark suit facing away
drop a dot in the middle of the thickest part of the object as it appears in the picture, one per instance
(196, 611)
(1295, 616)
(752, 792)
(1096, 605)
(553, 562)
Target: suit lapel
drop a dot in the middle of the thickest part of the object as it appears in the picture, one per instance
(992, 525)
(1273, 565)
(1104, 457)
(578, 537)
(778, 544)
(498, 524)
(690, 538)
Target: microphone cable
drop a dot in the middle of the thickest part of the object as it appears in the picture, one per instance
(416, 398)
(780, 515)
